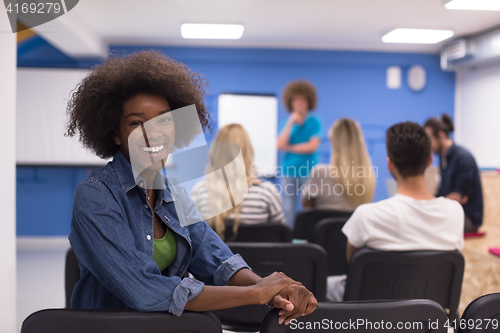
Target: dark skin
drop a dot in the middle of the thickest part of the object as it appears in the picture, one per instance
(245, 287)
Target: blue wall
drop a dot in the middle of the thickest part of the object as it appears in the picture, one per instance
(349, 84)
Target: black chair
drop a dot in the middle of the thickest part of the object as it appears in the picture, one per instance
(71, 275)
(481, 315)
(264, 232)
(305, 263)
(328, 234)
(434, 275)
(420, 315)
(106, 321)
(306, 221)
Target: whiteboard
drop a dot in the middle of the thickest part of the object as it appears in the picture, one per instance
(42, 96)
(477, 113)
(258, 114)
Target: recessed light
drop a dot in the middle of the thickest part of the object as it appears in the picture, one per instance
(473, 4)
(417, 36)
(211, 31)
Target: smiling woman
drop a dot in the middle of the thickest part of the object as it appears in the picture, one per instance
(125, 230)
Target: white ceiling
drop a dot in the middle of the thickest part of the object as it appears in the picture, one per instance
(92, 25)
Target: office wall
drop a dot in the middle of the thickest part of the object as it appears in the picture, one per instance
(349, 84)
(477, 113)
(8, 176)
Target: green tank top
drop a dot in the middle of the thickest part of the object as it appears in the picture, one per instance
(164, 250)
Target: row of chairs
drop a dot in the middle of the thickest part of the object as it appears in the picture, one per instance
(322, 227)
(373, 275)
(305, 224)
(481, 316)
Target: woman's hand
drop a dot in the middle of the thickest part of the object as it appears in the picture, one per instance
(270, 286)
(296, 118)
(303, 302)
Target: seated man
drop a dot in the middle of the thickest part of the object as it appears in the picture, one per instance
(413, 219)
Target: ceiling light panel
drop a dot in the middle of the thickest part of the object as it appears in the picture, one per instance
(211, 31)
(416, 36)
(473, 4)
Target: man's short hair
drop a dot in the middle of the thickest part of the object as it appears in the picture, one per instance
(409, 148)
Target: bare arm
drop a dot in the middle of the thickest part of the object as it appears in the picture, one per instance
(246, 287)
(350, 251)
(308, 147)
(244, 277)
(284, 136)
(462, 199)
(224, 297)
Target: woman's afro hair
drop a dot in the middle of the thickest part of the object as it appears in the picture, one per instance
(95, 106)
(299, 87)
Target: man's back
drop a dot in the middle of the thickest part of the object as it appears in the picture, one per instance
(402, 223)
(459, 173)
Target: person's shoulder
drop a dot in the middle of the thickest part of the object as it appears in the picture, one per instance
(449, 206)
(313, 119)
(389, 202)
(463, 152)
(374, 209)
(100, 177)
(264, 186)
(367, 209)
(263, 183)
(100, 188)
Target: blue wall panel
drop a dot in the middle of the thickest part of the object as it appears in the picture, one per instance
(45, 198)
(349, 84)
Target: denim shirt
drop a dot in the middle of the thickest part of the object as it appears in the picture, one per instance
(112, 236)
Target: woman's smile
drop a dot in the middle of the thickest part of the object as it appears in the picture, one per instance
(147, 132)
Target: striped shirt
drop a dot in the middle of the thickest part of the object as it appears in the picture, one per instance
(262, 203)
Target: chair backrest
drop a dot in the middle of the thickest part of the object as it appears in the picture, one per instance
(306, 221)
(71, 275)
(105, 321)
(264, 232)
(481, 315)
(305, 263)
(422, 316)
(434, 275)
(328, 234)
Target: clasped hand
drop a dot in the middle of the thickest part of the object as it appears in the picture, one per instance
(290, 296)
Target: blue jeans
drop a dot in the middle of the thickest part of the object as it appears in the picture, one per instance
(292, 192)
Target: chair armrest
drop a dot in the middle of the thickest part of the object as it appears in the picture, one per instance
(123, 321)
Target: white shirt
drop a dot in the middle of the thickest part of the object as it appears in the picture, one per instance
(402, 223)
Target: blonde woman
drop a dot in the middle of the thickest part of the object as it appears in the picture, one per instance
(262, 203)
(349, 180)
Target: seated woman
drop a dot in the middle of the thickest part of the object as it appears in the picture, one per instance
(262, 203)
(125, 230)
(349, 180)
